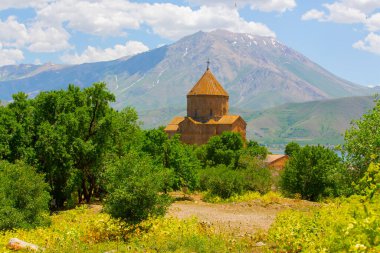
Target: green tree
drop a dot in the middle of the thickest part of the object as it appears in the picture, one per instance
(24, 197)
(315, 172)
(254, 149)
(362, 141)
(133, 185)
(224, 149)
(291, 148)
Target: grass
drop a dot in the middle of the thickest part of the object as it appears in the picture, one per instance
(83, 230)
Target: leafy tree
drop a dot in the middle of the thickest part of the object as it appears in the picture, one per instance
(314, 172)
(24, 197)
(133, 185)
(222, 181)
(69, 135)
(362, 141)
(257, 176)
(254, 149)
(291, 148)
(178, 158)
(224, 148)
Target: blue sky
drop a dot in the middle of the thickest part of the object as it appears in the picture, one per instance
(343, 36)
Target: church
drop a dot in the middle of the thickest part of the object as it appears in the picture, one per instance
(207, 113)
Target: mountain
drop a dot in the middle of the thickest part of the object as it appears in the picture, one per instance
(321, 122)
(258, 72)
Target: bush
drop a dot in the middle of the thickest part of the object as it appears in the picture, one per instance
(315, 172)
(292, 148)
(224, 148)
(221, 181)
(133, 189)
(257, 177)
(24, 197)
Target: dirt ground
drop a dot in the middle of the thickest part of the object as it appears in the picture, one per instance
(238, 218)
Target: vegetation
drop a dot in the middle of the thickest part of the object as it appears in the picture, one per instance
(85, 230)
(63, 148)
(315, 172)
(24, 197)
(362, 142)
(133, 186)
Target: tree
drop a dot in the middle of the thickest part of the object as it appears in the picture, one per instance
(314, 172)
(254, 149)
(362, 142)
(178, 158)
(291, 148)
(133, 185)
(224, 149)
(24, 197)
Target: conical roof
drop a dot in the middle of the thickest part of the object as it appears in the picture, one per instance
(208, 85)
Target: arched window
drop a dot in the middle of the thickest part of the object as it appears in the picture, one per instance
(196, 113)
(210, 112)
(224, 111)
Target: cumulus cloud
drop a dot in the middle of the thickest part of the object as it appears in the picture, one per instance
(261, 5)
(114, 17)
(19, 4)
(92, 54)
(13, 33)
(371, 43)
(36, 37)
(10, 56)
(365, 12)
(313, 14)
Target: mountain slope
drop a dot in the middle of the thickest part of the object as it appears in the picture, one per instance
(311, 122)
(258, 72)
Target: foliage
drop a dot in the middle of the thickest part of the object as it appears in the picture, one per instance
(314, 172)
(370, 183)
(133, 185)
(257, 176)
(68, 135)
(254, 149)
(222, 181)
(224, 148)
(24, 197)
(86, 230)
(341, 226)
(178, 158)
(362, 140)
(266, 199)
(291, 148)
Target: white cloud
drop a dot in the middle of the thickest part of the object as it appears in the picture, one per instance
(19, 4)
(36, 37)
(10, 56)
(92, 54)
(371, 43)
(373, 22)
(13, 33)
(313, 14)
(114, 17)
(261, 5)
(342, 13)
(174, 22)
(43, 38)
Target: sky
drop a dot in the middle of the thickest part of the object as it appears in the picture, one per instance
(342, 36)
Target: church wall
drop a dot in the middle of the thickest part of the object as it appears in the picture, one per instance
(204, 107)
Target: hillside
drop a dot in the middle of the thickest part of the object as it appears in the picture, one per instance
(258, 72)
(311, 122)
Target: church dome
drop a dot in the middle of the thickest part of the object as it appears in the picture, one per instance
(208, 85)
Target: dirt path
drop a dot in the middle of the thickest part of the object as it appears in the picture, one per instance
(239, 218)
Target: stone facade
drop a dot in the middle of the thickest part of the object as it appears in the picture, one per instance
(207, 113)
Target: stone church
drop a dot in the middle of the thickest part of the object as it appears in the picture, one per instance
(207, 113)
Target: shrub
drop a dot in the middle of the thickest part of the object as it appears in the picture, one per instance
(257, 177)
(315, 172)
(221, 181)
(224, 148)
(24, 197)
(133, 189)
(292, 148)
